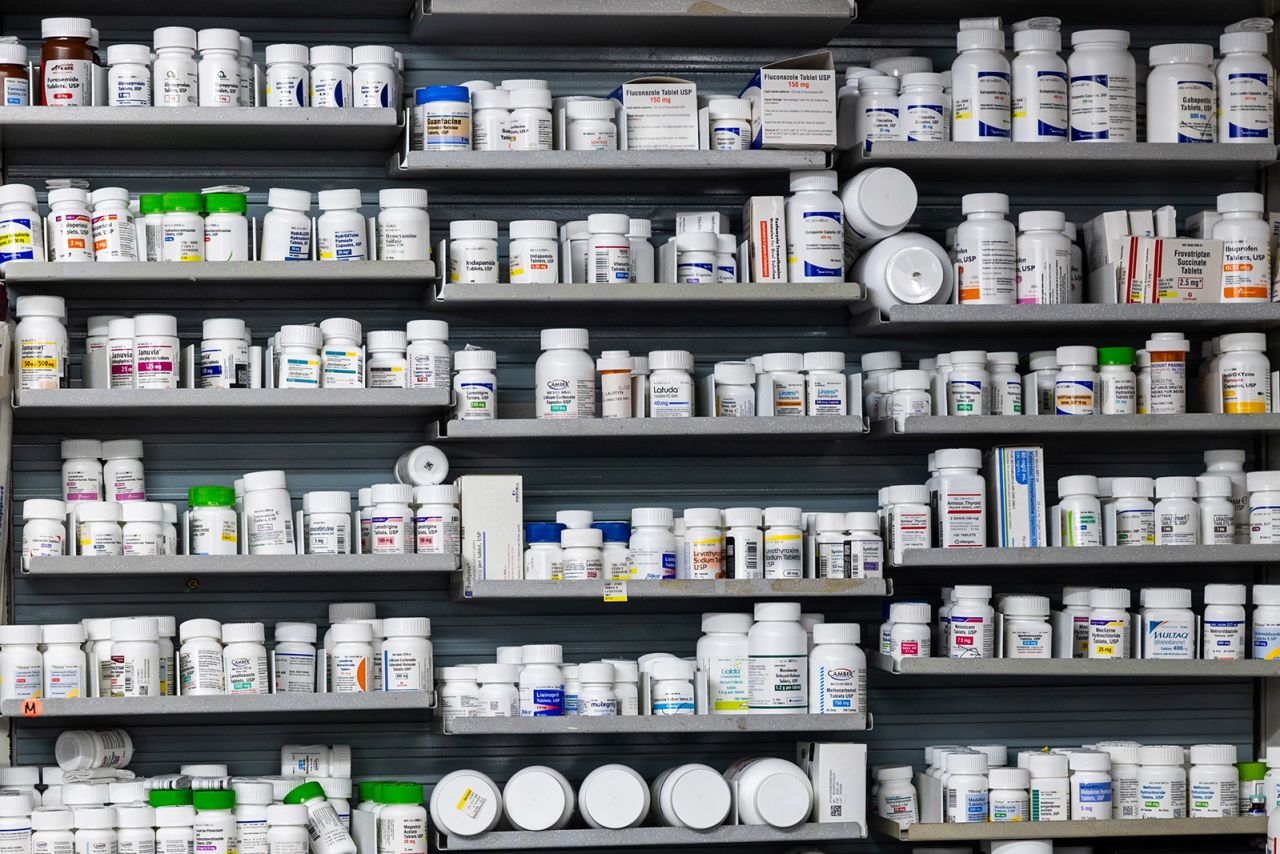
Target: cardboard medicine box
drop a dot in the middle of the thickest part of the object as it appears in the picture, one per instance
(1015, 483)
(492, 515)
(657, 114)
(793, 103)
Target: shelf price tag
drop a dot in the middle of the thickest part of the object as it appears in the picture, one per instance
(32, 708)
(615, 591)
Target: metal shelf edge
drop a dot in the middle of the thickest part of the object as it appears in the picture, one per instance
(638, 428)
(264, 704)
(678, 589)
(656, 724)
(1087, 556)
(1083, 668)
(241, 565)
(962, 832)
(663, 837)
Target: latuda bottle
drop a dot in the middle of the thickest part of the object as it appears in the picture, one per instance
(815, 228)
(980, 88)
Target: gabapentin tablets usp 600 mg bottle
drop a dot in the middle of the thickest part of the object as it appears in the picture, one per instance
(1181, 104)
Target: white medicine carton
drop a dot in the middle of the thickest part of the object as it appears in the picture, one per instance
(657, 114)
(492, 516)
(793, 103)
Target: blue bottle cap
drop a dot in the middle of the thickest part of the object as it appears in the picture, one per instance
(441, 93)
(543, 532)
(614, 532)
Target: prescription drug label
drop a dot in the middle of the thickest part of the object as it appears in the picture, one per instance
(778, 682)
(659, 114)
(1246, 270)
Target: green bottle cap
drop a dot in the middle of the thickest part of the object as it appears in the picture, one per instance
(367, 789)
(1252, 770)
(305, 792)
(1116, 355)
(169, 797)
(400, 793)
(224, 203)
(149, 203)
(211, 496)
(183, 203)
(216, 799)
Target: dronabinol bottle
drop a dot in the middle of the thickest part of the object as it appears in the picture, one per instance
(980, 88)
(1040, 94)
(815, 231)
(986, 251)
(1246, 89)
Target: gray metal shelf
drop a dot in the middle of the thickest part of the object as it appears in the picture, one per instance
(209, 404)
(1087, 557)
(654, 725)
(205, 281)
(220, 709)
(1178, 12)
(233, 8)
(747, 588)
(1039, 425)
(203, 128)
(241, 565)
(973, 832)
(555, 297)
(1130, 161)
(672, 838)
(582, 165)
(641, 428)
(646, 23)
(1062, 320)
(1078, 667)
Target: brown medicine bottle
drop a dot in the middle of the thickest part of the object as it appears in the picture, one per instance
(15, 88)
(66, 63)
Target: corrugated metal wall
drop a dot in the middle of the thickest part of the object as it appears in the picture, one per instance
(910, 712)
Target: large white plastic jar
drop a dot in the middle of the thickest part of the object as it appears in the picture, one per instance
(286, 229)
(980, 91)
(404, 227)
(815, 232)
(777, 660)
(1103, 79)
(565, 375)
(986, 251)
(269, 513)
(1181, 106)
(1246, 89)
(878, 203)
(1041, 97)
(1246, 247)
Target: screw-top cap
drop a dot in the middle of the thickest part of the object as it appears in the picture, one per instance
(1025, 606)
(963, 458)
(1077, 355)
(883, 360)
(979, 40)
(1175, 487)
(814, 179)
(68, 28)
(432, 330)
(1193, 54)
(862, 520)
(742, 517)
(614, 532)
(388, 339)
(295, 633)
(1047, 765)
(52, 818)
(1132, 487)
(886, 196)
(830, 522)
(1160, 754)
(44, 508)
(572, 538)
(697, 241)
(772, 362)
(1213, 754)
(331, 54)
(671, 360)
(218, 38)
(729, 623)
(777, 612)
(272, 479)
(286, 814)
(1218, 457)
(596, 671)
(411, 627)
(1239, 341)
(1116, 355)
(1248, 41)
(1081, 37)
(337, 200)
(490, 99)
(122, 449)
(1213, 486)
(608, 223)
(703, 517)
(435, 493)
(475, 360)
(402, 197)
(661, 517)
(183, 202)
(1079, 484)
(872, 82)
(62, 633)
(1089, 760)
(141, 511)
(921, 78)
(1166, 597)
(1109, 597)
(198, 628)
(908, 493)
(225, 203)
(530, 99)
(242, 633)
(155, 324)
(169, 797)
(1009, 778)
(373, 54)
(531, 229)
(541, 653)
(279, 197)
(971, 591)
(297, 54)
(213, 799)
(1050, 40)
(76, 449)
(353, 633)
(1266, 594)
(967, 763)
(910, 612)
(497, 673)
(671, 668)
(26, 635)
(564, 339)
(735, 373)
(391, 493)
(135, 815)
(222, 327)
(98, 511)
(984, 203)
(1262, 481)
(473, 229)
(845, 633)
(1224, 594)
(169, 37)
(1042, 221)
(95, 818)
(1241, 202)
(211, 496)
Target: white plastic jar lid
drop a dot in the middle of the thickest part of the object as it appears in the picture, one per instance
(613, 797)
(784, 800)
(696, 796)
(465, 803)
(537, 798)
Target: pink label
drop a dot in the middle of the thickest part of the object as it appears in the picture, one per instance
(130, 496)
(155, 367)
(82, 496)
(121, 369)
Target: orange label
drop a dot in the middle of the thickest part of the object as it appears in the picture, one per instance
(1242, 267)
(1244, 292)
(361, 678)
(32, 708)
(1168, 356)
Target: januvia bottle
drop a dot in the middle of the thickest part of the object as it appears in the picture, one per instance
(777, 665)
(565, 375)
(1040, 92)
(980, 88)
(986, 251)
(1246, 96)
(815, 234)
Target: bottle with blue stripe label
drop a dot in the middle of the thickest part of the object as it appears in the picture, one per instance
(815, 228)
(980, 88)
(1246, 88)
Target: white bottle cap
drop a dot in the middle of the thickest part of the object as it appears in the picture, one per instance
(52, 818)
(473, 229)
(672, 668)
(62, 633)
(1213, 754)
(427, 330)
(330, 54)
(94, 818)
(435, 493)
(1109, 597)
(72, 28)
(1223, 594)
(907, 493)
(595, 110)
(697, 241)
(44, 508)
(564, 339)
(661, 517)
(98, 511)
(40, 306)
(292, 200)
(1166, 597)
(141, 511)
(899, 66)
(1224, 456)
(122, 449)
(729, 623)
(155, 324)
(222, 327)
(342, 633)
(1089, 760)
(1175, 487)
(1041, 221)
(336, 200)
(844, 633)
(391, 493)
(1243, 202)
(703, 517)
(1242, 341)
(1047, 765)
(536, 798)
(1025, 606)
(218, 38)
(639, 228)
(475, 360)
(921, 78)
(541, 653)
(1077, 355)
(964, 458)
(910, 612)
(402, 197)
(1160, 754)
(257, 480)
(167, 37)
(530, 99)
(971, 591)
(783, 517)
(777, 612)
(295, 633)
(828, 360)
(884, 360)
(531, 229)
(1193, 54)
(910, 380)
(199, 628)
(967, 763)
(582, 538)
(672, 360)
(979, 40)
(1050, 40)
(773, 362)
(813, 179)
(742, 517)
(294, 335)
(249, 632)
(477, 791)
(1242, 42)
(886, 196)
(1120, 37)
(118, 54)
(1132, 487)
(608, 223)
(410, 627)
(873, 82)
(27, 634)
(388, 339)
(696, 796)
(490, 99)
(984, 203)
(1255, 481)
(1077, 484)
(830, 522)
(735, 373)
(374, 54)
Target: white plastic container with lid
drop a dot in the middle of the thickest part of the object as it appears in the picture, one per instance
(875, 368)
(297, 357)
(498, 695)
(79, 749)
(1177, 517)
(63, 663)
(696, 258)
(1103, 77)
(726, 259)
(175, 71)
(40, 339)
(783, 542)
(769, 791)
(351, 659)
(294, 658)
(969, 384)
(670, 386)
(392, 520)
(1181, 105)
(704, 543)
(286, 829)
(826, 386)
(815, 234)
(224, 354)
(537, 798)
(373, 83)
(1091, 787)
(613, 797)
(671, 691)
(1162, 782)
(735, 392)
(1230, 464)
(907, 519)
(743, 542)
(730, 124)
(1027, 633)
(626, 676)
(268, 513)
(219, 67)
(961, 493)
(837, 670)
(1246, 249)
(1223, 626)
(490, 120)
(877, 203)
(437, 528)
(1109, 622)
(1050, 787)
(175, 829)
(986, 251)
(404, 226)
(95, 830)
(1117, 384)
(459, 693)
(1213, 781)
(70, 228)
(387, 365)
(980, 91)
(910, 397)
(1043, 259)
(1124, 777)
(1076, 387)
(98, 531)
(565, 375)
(200, 662)
(653, 546)
(20, 224)
(896, 797)
(609, 249)
(1079, 511)
(244, 659)
(1264, 507)
(143, 532)
(642, 255)
(406, 654)
(341, 229)
(1245, 373)
(1129, 518)
(341, 355)
(331, 81)
(1009, 799)
(465, 803)
(44, 528)
(909, 634)
(722, 655)
(541, 681)
(286, 229)
(1041, 96)
(876, 113)
(473, 251)
(777, 664)
(1246, 83)
(529, 126)
(922, 114)
(581, 559)
(972, 622)
(252, 801)
(905, 269)
(288, 80)
(693, 796)
(52, 830)
(614, 368)
(428, 353)
(66, 82)
(967, 788)
(155, 351)
(866, 547)
(21, 665)
(534, 252)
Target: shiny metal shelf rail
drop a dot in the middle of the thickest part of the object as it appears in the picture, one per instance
(651, 725)
(208, 280)
(1077, 667)
(1040, 425)
(616, 592)
(758, 295)
(834, 427)
(671, 838)
(221, 710)
(203, 128)
(210, 404)
(640, 22)
(188, 565)
(1061, 320)
(1130, 161)
(1087, 557)
(956, 832)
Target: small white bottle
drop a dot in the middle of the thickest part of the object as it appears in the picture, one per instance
(743, 542)
(969, 384)
(533, 256)
(1050, 788)
(373, 83)
(777, 660)
(1244, 371)
(387, 366)
(1027, 633)
(826, 386)
(986, 251)
(499, 697)
(1117, 385)
(1075, 389)
(1044, 259)
(1246, 82)
(670, 386)
(1129, 518)
(972, 622)
(428, 353)
(541, 681)
(1264, 507)
(980, 92)
(404, 227)
(1223, 626)
(490, 120)
(1217, 513)
(1109, 622)
(1181, 104)
(1246, 248)
(294, 658)
(174, 70)
(1091, 785)
(286, 229)
(473, 251)
(961, 518)
(341, 229)
(565, 375)
(876, 117)
(200, 658)
(219, 67)
(288, 81)
(967, 785)
(351, 659)
(331, 81)
(529, 126)
(1168, 624)
(815, 232)
(735, 393)
(1040, 94)
(672, 687)
(1079, 511)
(69, 225)
(244, 659)
(475, 385)
(837, 670)
(1177, 518)
(129, 80)
(921, 108)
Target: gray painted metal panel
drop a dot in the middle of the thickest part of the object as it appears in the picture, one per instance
(1244, 825)
(1077, 667)
(1032, 426)
(647, 836)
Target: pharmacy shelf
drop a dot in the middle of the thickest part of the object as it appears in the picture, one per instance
(1130, 161)
(625, 591)
(668, 838)
(574, 429)
(646, 23)
(364, 10)
(1128, 668)
(1179, 12)
(203, 128)
(205, 281)
(955, 832)
(1061, 321)
(630, 297)
(1097, 556)
(1040, 425)
(656, 725)
(188, 565)
(288, 708)
(208, 405)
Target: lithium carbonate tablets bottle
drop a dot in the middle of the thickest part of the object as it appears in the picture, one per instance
(1103, 78)
(565, 375)
(1181, 105)
(980, 90)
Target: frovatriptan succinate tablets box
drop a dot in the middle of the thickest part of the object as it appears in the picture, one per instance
(1015, 489)
(657, 114)
(765, 220)
(491, 507)
(793, 103)
(1178, 269)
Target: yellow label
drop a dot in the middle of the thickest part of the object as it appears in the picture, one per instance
(228, 538)
(1247, 407)
(40, 364)
(615, 591)
(463, 800)
(783, 538)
